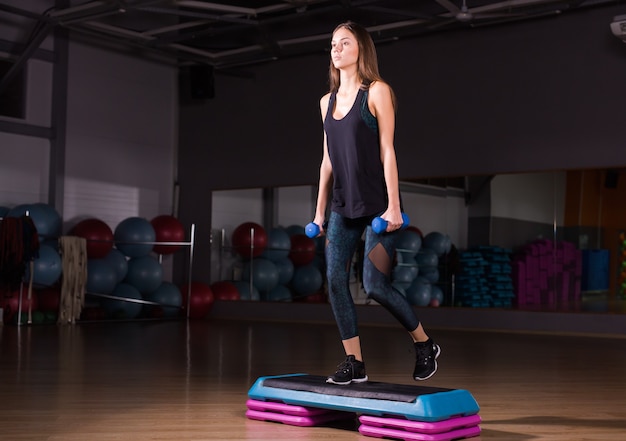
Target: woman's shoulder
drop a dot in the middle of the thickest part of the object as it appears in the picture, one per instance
(380, 97)
(378, 87)
(325, 98)
(324, 104)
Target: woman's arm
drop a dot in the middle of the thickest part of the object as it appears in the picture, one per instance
(381, 106)
(326, 174)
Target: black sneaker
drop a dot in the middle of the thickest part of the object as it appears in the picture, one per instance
(426, 354)
(350, 371)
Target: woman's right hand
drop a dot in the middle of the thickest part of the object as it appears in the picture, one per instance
(320, 221)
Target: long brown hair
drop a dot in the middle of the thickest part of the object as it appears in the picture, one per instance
(367, 64)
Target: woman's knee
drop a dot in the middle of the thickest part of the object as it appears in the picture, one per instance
(336, 279)
(373, 290)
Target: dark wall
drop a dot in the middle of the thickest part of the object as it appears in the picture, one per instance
(530, 96)
(262, 130)
(536, 95)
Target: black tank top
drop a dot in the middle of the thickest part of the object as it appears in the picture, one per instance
(354, 148)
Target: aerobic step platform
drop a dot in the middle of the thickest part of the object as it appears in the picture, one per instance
(397, 428)
(294, 415)
(379, 427)
(417, 403)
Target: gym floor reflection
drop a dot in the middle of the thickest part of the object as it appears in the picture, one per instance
(179, 380)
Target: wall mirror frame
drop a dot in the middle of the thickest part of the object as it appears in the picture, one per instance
(537, 241)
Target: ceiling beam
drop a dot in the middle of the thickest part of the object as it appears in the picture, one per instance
(40, 35)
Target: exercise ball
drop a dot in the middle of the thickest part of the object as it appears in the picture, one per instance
(246, 292)
(419, 293)
(98, 235)
(47, 268)
(302, 250)
(10, 304)
(437, 242)
(134, 237)
(249, 240)
(403, 275)
(320, 261)
(436, 296)
(320, 248)
(169, 298)
(262, 272)
(19, 211)
(38, 317)
(294, 229)
(123, 306)
(279, 294)
(118, 262)
(49, 298)
(307, 279)
(144, 273)
(426, 257)
(285, 270)
(46, 219)
(416, 230)
(278, 245)
(430, 273)
(409, 262)
(101, 277)
(224, 290)
(167, 229)
(200, 300)
(408, 243)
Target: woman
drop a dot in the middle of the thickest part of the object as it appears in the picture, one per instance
(359, 162)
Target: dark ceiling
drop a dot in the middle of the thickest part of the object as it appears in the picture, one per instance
(244, 32)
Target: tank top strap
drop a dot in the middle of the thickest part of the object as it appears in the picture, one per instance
(331, 103)
(366, 115)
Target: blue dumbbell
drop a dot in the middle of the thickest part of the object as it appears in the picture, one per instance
(312, 230)
(379, 225)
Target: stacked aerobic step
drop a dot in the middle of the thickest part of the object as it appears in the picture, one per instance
(384, 410)
(484, 279)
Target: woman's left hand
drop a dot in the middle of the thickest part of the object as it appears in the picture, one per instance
(394, 219)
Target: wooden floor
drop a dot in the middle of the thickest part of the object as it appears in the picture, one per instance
(174, 380)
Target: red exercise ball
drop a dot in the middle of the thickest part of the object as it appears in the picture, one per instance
(201, 300)
(98, 234)
(415, 229)
(225, 290)
(49, 299)
(302, 250)
(167, 229)
(318, 297)
(92, 313)
(249, 240)
(10, 304)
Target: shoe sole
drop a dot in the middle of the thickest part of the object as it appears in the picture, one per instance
(345, 383)
(434, 370)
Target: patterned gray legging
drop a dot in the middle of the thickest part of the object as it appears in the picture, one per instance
(343, 236)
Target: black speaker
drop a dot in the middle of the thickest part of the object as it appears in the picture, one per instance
(610, 178)
(201, 82)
